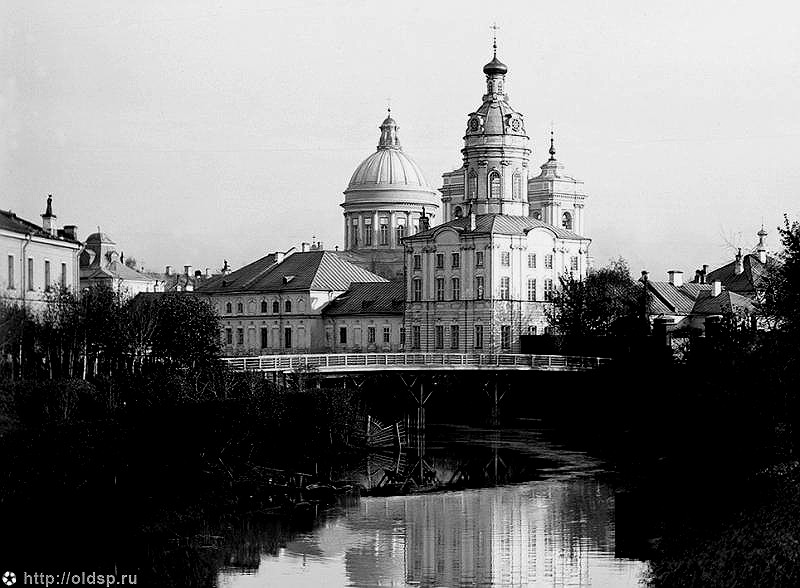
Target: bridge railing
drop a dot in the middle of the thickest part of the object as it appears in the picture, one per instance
(369, 361)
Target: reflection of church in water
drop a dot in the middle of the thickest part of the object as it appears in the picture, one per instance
(548, 534)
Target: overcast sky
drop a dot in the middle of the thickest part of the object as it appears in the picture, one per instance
(195, 131)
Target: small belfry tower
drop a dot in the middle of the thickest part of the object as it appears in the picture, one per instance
(494, 177)
(555, 197)
(48, 218)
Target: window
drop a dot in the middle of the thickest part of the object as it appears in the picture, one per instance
(384, 231)
(495, 190)
(30, 273)
(240, 336)
(264, 332)
(456, 260)
(343, 335)
(440, 261)
(276, 308)
(505, 258)
(47, 275)
(479, 287)
(11, 284)
(548, 289)
(458, 212)
(472, 188)
(479, 259)
(439, 288)
(287, 306)
(287, 337)
(532, 330)
(532, 290)
(505, 336)
(548, 261)
(532, 260)
(371, 335)
(399, 232)
(367, 231)
(239, 307)
(516, 186)
(456, 288)
(229, 336)
(417, 262)
(537, 214)
(417, 290)
(478, 336)
(454, 336)
(228, 308)
(566, 221)
(354, 233)
(439, 336)
(387, 331)
(415, 337)
(64, 275)
(402, 336)
(264, 307)
(573, 263)
(505, 288)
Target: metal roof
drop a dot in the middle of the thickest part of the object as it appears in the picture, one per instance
(370, 298)
(502, 224)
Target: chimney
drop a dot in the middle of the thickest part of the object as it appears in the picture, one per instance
(716, 288)
(168, 270)
(643, 279)
(208, 272)
(472, 223)
(738, 266)
(278, 256)
(705, 272)
(304, 247)
(675, 278)
(187, 270)
(71, 232)
(49, 219)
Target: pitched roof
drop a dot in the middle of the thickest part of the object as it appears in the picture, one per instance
(503, 224)
(725, 303)
(369, 298)
(748, 281)
(668, 298)
(11, 222)
(113, 269)
(311, 270)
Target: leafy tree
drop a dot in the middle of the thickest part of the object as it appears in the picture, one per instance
(132, 263)
(780, 303)
(607, 302)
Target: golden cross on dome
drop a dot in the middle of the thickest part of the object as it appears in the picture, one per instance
(494, 28)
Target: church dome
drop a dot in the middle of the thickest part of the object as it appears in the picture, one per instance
(389, 168)
(495, 66)
(100, 238)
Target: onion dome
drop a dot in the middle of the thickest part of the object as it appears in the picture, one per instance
(495, 66)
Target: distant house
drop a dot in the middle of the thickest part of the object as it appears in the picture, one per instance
(275, 304)
(102, 265)
(731, 289)
(367, 318)
(38, 259)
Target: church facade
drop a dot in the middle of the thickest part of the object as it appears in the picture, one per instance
(486, 275)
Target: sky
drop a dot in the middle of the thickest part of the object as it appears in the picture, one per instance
(197, 131)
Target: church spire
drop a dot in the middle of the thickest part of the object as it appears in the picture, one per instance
(552, 146)
(389, 128)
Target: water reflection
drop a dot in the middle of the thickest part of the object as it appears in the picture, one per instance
(556, 531)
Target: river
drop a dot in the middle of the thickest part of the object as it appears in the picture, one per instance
(529, 513)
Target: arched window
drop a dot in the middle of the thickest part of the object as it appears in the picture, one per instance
(239, 307)
(263, 307)
(276, 308)
(229, 308)
(537, 214)
(400, 232)
(495, 190)
(287, 306)
(516, 186)
(566, 221)
(457, 212)
(472, 192)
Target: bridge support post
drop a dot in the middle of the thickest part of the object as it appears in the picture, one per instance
(495, 391)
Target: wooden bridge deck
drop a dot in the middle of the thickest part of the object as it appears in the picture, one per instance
(368, 362)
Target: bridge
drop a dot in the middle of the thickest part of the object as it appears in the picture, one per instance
(381, 362)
